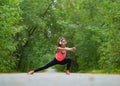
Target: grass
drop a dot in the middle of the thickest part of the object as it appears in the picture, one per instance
(104, 71)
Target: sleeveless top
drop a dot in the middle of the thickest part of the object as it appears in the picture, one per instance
(60, 55)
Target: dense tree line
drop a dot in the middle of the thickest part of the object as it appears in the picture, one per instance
(29, 30)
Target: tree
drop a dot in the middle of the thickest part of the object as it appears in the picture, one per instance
(10, 16)
(91, 26)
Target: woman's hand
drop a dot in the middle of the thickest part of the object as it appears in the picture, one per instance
(74, 48)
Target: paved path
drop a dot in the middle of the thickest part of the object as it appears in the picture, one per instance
(59, 79)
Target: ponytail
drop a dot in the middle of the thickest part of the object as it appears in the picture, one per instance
(60, 41)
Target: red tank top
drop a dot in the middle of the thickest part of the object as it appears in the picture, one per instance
(60, 55)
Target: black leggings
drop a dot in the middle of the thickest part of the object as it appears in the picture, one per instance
(54, 62)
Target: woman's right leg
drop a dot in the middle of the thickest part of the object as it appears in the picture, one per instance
(53, 62)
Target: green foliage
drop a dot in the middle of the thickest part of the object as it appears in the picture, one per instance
(9, 26)
(34, 44)
(92, 26)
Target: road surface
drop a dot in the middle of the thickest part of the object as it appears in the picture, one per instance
(59, 79)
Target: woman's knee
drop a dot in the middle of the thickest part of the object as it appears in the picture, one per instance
(69, 60)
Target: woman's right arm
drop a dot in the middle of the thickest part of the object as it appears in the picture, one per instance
(66, 48)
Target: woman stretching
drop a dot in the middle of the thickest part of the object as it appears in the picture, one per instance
(60, 57)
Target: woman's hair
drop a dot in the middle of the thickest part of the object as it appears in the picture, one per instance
(60, 41)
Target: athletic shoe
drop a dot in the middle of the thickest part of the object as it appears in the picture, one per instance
(68, 72)
(31, 72)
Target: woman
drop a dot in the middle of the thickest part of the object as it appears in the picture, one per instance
(60, 57)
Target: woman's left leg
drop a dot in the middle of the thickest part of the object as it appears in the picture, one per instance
(66, 61)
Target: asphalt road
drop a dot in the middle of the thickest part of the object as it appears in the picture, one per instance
(59, 79)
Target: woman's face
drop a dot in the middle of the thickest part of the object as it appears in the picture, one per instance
(64, 42)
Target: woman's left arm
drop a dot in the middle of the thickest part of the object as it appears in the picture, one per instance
(70, 49)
